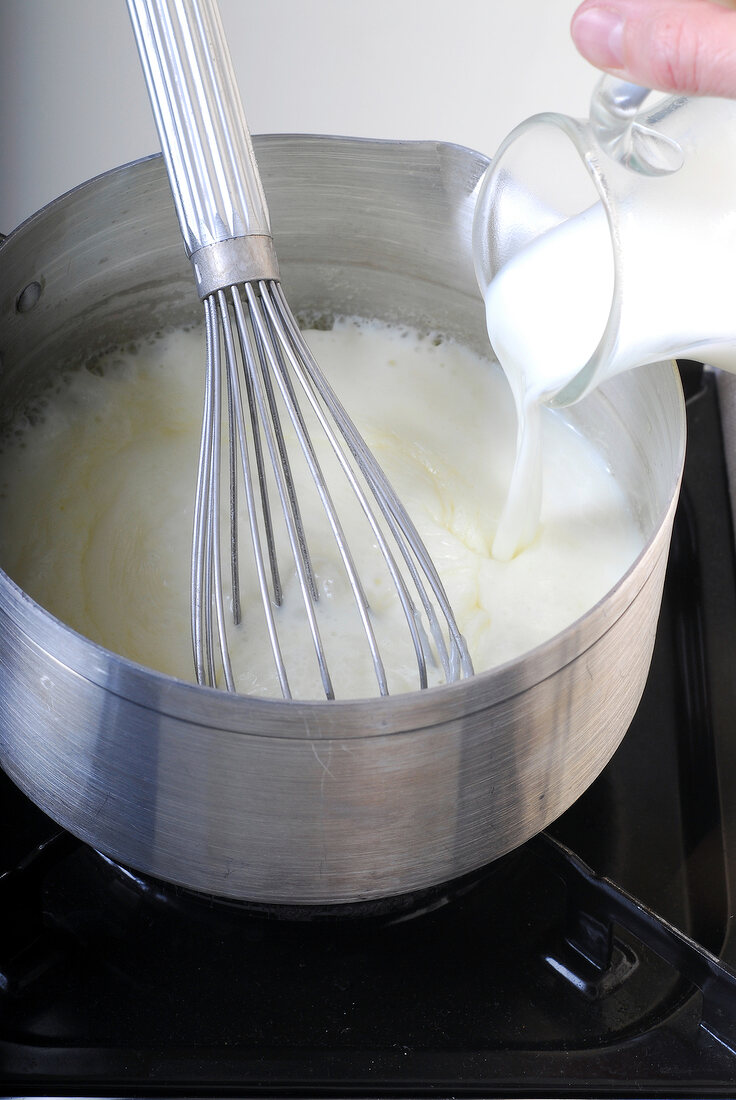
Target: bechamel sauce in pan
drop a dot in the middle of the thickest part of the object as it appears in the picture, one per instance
(96, 504)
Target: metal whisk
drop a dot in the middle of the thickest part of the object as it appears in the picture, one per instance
(257, 363)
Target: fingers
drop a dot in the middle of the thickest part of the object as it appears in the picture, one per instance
(673, 45)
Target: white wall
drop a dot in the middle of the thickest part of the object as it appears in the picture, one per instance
(74, 103)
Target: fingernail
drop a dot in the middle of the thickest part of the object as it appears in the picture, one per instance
(599, 35)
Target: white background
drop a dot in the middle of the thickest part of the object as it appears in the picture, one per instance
(73, 102)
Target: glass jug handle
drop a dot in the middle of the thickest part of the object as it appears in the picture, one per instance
(629, 135)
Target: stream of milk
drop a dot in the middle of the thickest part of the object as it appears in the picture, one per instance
(96, 503)
(546, 311)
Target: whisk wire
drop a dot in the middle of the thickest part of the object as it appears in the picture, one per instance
(233, 471)
(246, 465)
(206, 577)
(201, 503)
(277, 589)
(213, 556)
(256, 369)
(265, 320)
(282, 449)
(405, 533)
(300, 358)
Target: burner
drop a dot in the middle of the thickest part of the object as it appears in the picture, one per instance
(193, 904)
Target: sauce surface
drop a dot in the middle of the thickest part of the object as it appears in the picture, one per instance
(96, 501)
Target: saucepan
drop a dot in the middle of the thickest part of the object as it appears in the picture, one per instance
(312, 803)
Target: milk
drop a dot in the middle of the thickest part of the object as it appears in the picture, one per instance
(545, 312)
(96, 510)
(572, 301)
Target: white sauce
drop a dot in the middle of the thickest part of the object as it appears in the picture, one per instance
(96, 503)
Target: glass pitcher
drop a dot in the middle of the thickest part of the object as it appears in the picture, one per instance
(661, 179)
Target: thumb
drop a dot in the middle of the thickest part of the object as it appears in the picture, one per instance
(671, 45)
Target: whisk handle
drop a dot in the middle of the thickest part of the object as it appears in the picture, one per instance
(205, 140)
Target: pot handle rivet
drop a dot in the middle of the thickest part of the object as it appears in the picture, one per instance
(28, 298)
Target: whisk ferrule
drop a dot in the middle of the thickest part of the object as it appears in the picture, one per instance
(237, 260)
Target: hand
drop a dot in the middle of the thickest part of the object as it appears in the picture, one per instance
(672, 45)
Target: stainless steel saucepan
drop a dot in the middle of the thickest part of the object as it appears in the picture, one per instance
(312, 803)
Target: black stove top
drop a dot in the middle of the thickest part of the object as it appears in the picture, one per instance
(598, 960)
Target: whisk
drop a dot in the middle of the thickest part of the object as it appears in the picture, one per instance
(260, 376)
